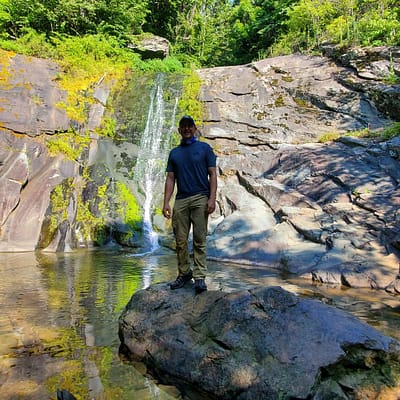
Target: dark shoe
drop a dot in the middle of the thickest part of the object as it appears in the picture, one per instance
(181, 280)
(200, 286)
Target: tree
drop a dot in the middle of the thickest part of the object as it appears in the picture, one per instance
(74, 17)
(256, 25)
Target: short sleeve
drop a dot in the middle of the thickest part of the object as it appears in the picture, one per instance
(170, 167)
(211, 158)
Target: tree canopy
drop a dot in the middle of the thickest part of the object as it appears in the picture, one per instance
(211, 32)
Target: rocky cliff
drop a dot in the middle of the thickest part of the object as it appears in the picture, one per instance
(328, 211)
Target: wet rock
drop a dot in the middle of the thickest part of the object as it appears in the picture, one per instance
(30, 114)
(256, 344)
(28, 175)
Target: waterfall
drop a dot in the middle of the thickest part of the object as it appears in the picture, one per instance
(153, 152)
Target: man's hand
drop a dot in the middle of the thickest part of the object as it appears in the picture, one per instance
(167, 211)
(210, 206)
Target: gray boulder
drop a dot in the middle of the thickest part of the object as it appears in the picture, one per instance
(264, 343)
(151, 47)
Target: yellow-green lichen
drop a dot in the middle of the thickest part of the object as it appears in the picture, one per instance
(279, 102)
(70, 144)
(5, 74)
(301, 102)
(91, 226)
(127, 206)
(189, 102)
(60, 198)
(328, 137)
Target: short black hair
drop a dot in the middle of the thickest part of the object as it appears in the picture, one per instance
(186, 118)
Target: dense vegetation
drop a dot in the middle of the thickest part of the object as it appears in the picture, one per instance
(203, 32)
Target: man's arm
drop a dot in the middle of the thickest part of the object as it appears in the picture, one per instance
(212, 173)
(168, 191)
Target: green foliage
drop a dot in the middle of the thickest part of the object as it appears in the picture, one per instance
(85, 62)
(107, 127)
(378, 28)
(119, 18)
(201, 32)
(346, 22)
(392, 131)
(30, 43)
(189, 103)
(70, 144)
(127, 206)
(169, 64)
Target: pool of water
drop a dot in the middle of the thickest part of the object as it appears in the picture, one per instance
(59, 318)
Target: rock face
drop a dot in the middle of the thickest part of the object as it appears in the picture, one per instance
(330, 210)
(30, 114)
(29, 96)
(326, 211)
(28, 176)
(257, 344)
(289, 99)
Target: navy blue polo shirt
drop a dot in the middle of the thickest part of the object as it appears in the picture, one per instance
(190, 163)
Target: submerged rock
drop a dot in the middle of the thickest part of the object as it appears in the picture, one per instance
(257, 344)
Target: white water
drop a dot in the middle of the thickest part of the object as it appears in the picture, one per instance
(153, 152)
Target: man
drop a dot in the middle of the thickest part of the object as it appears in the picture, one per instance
(192, 165)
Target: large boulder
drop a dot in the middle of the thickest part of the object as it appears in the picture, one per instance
(264, 343)
(151, 46)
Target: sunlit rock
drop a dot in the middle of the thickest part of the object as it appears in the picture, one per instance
(256, 344)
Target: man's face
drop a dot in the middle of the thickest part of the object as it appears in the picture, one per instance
(187, 130)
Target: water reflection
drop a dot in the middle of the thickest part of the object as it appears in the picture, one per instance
(59, 318)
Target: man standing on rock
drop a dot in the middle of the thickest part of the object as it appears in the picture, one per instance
(192, 165)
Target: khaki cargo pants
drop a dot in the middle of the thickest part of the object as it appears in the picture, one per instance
(191, 212)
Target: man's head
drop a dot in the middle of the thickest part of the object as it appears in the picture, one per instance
(187, 120)
(187, 127)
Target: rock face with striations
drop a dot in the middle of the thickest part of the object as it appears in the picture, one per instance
(30, 115)
(264, 343)
(327, 211)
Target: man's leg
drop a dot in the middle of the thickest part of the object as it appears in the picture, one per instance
(181, 227)
(199, 218)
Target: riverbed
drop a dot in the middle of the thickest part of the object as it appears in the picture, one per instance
(59, 318)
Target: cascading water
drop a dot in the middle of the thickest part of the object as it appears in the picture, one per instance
(153, 152)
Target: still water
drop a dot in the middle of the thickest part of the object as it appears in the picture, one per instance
(59, 319)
